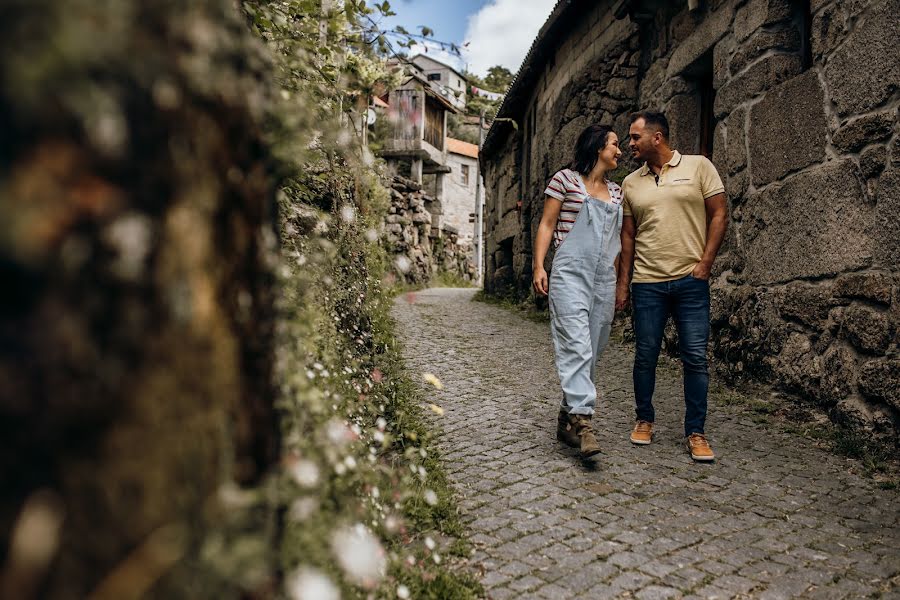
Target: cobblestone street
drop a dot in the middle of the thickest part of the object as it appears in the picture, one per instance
(773, 517)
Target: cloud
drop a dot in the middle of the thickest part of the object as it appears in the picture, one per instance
(502, 32)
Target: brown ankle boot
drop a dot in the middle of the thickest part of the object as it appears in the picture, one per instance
(565, 430)
(589, 444)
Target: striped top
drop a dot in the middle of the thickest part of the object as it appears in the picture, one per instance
(567, 186)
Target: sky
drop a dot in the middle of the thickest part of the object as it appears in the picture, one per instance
(498, 32)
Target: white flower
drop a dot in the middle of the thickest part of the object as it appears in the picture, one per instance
(302, 509)
(360, 555)
(348, 213)
(310, 584)
(305, 473)
(431, 498)
(429, 543)
(402, 263)
(402, 592)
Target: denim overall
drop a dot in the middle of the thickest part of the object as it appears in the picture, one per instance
(582, 300)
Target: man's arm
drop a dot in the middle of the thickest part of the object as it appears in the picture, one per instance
(716, 225)
(626, 260)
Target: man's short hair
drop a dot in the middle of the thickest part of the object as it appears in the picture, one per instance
(656, 120)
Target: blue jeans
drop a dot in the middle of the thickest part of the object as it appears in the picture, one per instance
(687, 300)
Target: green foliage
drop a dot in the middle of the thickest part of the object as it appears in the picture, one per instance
(357, 452)
(494, 82)
(452, 280)
(498, 79)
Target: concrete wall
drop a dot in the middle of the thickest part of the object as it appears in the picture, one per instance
(805, 136)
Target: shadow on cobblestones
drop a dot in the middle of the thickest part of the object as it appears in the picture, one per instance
(774, 517)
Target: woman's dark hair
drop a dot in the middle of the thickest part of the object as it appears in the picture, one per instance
(591, 141)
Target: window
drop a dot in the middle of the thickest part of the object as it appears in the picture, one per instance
(464, 175)
(434, 77)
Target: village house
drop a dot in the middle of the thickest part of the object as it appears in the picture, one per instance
(796, 103)
(459, 189)
(432, 207)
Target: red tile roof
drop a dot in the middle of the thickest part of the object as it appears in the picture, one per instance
(461, 147)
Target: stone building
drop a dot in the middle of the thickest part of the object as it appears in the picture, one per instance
(459, 187)
(451, 82)
(796, 103)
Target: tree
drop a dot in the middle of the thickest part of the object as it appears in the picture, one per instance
(498, 79)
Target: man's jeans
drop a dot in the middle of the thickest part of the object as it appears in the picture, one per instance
(687, 300)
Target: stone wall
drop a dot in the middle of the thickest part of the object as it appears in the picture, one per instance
(802, 107)
(593, 77)
(418, 250)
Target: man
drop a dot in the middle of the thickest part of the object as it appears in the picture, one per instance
(675, 216)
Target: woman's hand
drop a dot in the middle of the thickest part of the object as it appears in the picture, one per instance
(539, 281)
(621, 297)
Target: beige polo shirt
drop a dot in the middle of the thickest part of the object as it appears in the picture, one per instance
(670, 216)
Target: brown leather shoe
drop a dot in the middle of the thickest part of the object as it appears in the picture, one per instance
(642, 434)
(699, 448)
(589, 444)
(565, 430)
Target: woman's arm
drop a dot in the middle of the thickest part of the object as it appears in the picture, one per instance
(549, 217)
(626, 260)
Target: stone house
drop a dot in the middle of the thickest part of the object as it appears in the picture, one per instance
(451, 82)
(459, 188)
(796, 103)
(417, 111)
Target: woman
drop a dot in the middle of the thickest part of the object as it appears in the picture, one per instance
(582, 217)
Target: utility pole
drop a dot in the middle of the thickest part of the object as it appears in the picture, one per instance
(479, 213)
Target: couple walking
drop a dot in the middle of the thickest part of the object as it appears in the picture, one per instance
(666, 223)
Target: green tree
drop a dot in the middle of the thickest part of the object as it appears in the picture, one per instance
(498, 79)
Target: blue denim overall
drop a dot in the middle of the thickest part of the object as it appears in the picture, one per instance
(583, 298)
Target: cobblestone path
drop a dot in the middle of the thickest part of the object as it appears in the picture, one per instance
(774, 517)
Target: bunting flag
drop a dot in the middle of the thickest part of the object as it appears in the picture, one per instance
(476, 91)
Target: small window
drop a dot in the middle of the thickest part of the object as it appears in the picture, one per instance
(434, 77)
(464, 175)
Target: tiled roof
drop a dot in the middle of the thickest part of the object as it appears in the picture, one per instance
(461, 147)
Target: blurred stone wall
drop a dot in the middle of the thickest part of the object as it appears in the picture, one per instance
(136, 244)
(802, 100)
(418, 250)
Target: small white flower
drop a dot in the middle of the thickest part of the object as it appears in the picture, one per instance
(302, 509)
(431, 498)
(403, 264)
(360, 555)
(310, 584)
(305, 473)
(402, 592)
(350, 462)
(429, 543)
(437, 558)
(348, 213)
